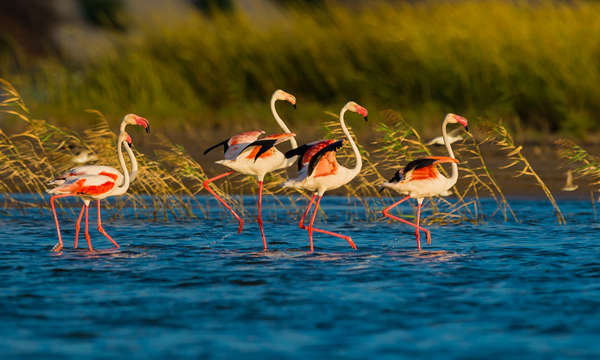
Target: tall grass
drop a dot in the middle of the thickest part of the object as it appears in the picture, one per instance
(166, 188)
(499, 135)
(535, 61)
(588, 164)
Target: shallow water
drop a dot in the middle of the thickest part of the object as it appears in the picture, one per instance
(195, 289)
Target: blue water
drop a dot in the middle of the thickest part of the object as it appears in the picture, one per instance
(195, 289)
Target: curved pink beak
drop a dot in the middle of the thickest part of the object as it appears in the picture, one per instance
(143, 122)
(461, 120)
(361, 110)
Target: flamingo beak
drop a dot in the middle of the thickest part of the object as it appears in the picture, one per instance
(291, 99)
(461, 120)
(361, 110)
(128, 141)
(143, 122)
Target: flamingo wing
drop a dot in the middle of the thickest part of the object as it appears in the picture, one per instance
(424, 168)
(307, 151)
(323, 161)
(92, 185)
(232, 145)
(265, 144)
(87, 170)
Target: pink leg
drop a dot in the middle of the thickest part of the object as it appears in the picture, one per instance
(58, 246)
(77, 226)
(87, 233)
(101, 229)
(301, 224)
(205, 184)
(260, 222)
(311, 229)
(386, 214)
(427, 232)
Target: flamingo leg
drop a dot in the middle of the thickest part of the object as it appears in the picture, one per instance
(301, 224)
(77, 225)
(205, 184)
(59, 245)
(101, 229)
(387, 214)
(87, 234)
(260, 222)
(311, 228)
(427, 232)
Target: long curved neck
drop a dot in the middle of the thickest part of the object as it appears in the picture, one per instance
(125, 184)
(454, 175)
(358, 165)
(281, 123)
(134, 164)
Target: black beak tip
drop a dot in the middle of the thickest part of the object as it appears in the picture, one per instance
(366, 118)
(467, 128)
(148, 129)
(129, 144)
(295, 106)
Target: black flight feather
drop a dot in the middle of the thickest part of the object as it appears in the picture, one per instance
(299, 151)
(419, 164)
(225, 144)
(396, 179)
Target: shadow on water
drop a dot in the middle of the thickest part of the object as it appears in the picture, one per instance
(197, 289)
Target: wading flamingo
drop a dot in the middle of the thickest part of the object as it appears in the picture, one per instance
(93, 187)
(420, 178)
(246, 154)
(129, 119)
(319, 170)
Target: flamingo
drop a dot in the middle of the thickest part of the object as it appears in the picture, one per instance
(93, 187)
(129, 119)
(246, 154)
(420, 178)
(319, 170)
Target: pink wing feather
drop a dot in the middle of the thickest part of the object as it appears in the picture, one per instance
(237, 143)
(92, 185)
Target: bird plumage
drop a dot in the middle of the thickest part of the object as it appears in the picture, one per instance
(247, 154)
(319, 170)
(96, 182)
(420, 178)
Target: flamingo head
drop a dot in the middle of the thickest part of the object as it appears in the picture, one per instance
(282, 95)
(132, 119)
(354, 107)
(124, 137)
(455, 119)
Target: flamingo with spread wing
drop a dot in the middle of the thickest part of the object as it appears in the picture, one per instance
(420, 178)
(319, 170)
(247, 154)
